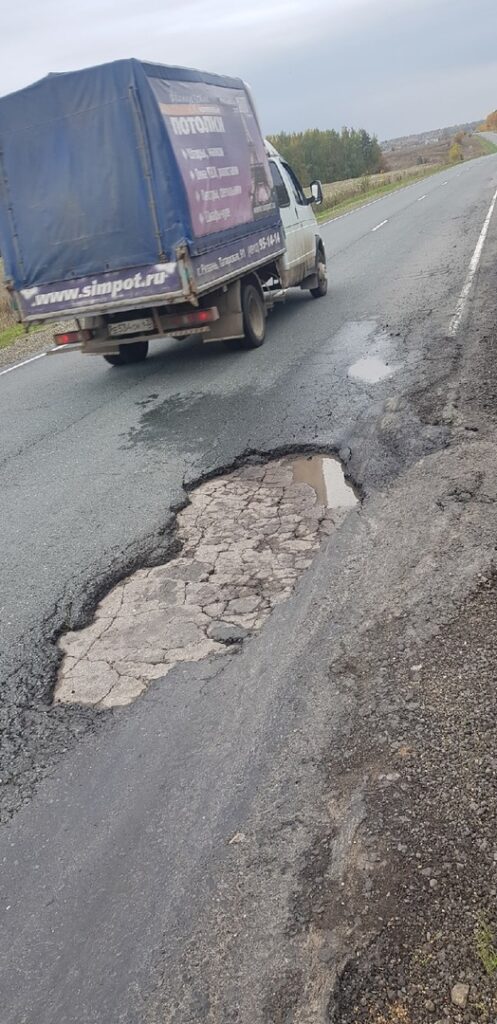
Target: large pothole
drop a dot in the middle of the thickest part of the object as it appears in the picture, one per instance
(245, 539)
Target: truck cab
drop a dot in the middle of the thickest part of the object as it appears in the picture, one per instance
(304, 255)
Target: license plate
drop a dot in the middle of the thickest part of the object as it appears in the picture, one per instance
(132, 327)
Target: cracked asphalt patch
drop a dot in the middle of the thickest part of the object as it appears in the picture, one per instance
(245, 539)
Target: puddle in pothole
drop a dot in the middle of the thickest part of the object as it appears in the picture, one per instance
(245, 539)
(371, 369)
(325, 475)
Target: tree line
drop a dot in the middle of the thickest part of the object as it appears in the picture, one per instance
(490, 125)
(330, 155)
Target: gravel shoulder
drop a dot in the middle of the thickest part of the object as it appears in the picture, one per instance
(430, 898)
(26, 345)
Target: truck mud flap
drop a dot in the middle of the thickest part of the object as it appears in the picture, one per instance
(230, 323)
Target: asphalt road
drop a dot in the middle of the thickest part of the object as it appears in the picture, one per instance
(118, 881)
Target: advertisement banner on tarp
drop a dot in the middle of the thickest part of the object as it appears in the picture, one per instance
(159, 283)
(125, 287)
(230, 259)
(220, 154)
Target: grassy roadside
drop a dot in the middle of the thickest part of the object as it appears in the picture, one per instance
(487, 146)
(10, 330)
(10, 334)
(341, 197)
(366, 195)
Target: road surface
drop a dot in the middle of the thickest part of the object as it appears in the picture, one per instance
(122, 898)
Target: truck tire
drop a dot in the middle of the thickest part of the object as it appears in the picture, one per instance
(322, 275)
(254, 314)
(135, 352)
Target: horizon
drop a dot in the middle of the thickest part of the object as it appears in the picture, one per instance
(290, 131)
(405, 71)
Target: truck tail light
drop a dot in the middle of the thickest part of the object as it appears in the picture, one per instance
(70, 337)
(195, 319)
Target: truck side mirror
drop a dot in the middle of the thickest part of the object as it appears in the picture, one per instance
(316, 192)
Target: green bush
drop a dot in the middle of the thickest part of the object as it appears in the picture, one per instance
(330, 155)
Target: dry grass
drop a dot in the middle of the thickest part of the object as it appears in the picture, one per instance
(403, 168)
(408, 154)
(340, 193)
(486, 948)
(340, 190)
(7, 317)
(11, 331)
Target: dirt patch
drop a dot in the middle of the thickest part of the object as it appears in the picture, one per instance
(6, 315)
(430, 901)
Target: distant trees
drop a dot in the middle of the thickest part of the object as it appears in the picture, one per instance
(490, 125)
(330, 155)
(456, 152)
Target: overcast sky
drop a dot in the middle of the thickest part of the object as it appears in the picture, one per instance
(390, 66)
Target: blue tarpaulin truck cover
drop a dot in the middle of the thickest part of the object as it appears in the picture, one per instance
(131, 182)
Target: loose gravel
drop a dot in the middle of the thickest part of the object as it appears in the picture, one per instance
(31, 343)
(431, 901)
(26, 345)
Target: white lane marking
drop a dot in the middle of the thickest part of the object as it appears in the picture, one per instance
(420, 198)
(473, 267)
(25, 362)
(445, 182)
(378, 226)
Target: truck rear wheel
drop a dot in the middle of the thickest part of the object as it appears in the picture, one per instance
(254, 314)
(135, 352)
(322, 276)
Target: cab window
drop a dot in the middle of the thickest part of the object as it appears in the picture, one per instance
(297, 187)
(282, 197)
